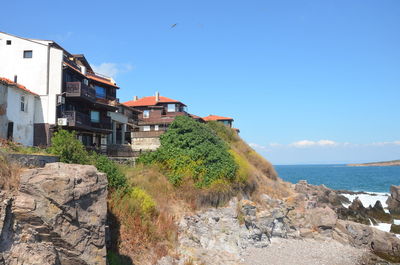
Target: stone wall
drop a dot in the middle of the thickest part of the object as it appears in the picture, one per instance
(25, 160)
(145, 144)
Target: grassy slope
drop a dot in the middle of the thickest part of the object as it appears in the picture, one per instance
(146, 237)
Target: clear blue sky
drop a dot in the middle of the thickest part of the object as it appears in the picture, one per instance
(287, 71)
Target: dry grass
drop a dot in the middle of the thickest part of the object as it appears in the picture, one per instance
(147, 237)
(9, 174)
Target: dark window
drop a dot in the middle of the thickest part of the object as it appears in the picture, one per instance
(8, 42)
(100, 92)
(23, 104)
(27, 54)
(10, 130)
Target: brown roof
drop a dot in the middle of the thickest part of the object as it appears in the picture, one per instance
(150, 101)
(216, 118)
(7, 81)
(101, 80)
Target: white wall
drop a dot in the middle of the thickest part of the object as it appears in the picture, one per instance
(32, 72)
(23, 120)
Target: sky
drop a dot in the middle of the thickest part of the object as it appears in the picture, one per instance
(307, 81)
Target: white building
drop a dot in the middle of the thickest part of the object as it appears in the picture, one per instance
(17, 112)
(70, 94)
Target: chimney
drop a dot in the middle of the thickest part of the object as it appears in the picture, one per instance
(15, 79)
(157, 96)
(135, 98)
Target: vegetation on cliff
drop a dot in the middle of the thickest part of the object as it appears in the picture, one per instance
(191, 150)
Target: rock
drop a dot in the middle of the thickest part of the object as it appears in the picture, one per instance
(395, 229)
(383, 244)
(378, 213)
(217, 235)
(58, 216)
(323, 218)
(393, 201)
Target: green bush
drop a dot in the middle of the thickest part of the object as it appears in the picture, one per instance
(70, 150)
(190, 149)
(116, 178)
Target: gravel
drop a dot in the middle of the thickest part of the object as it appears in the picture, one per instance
(307, 252)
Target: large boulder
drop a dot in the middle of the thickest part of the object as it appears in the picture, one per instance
(383, 244)
(393, 201)
(58, 216)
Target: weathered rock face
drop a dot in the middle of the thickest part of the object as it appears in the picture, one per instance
(58, 216)
(393, 201)
(221, 235)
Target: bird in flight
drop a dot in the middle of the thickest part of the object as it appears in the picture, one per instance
(173, 26)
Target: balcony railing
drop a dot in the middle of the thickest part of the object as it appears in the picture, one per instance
(105, 124)
(77, 89)
(108, 101)
(76, 119)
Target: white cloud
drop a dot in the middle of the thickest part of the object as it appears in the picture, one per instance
(309, 143)
(112, 69)
(385, 143)
(258, 146)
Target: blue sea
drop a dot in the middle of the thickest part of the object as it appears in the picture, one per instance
(369, 179)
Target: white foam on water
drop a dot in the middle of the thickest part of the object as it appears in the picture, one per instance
(383, 227)
(368, 199)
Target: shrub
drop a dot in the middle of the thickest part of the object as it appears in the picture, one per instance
(70, 150)
(116, 178)
(190, 149)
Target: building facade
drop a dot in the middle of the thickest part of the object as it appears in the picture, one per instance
(155, 114)
(17, 112)
(71, 95)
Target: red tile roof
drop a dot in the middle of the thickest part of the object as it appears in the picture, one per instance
(216, 118)
(150, 101)
(7, 81)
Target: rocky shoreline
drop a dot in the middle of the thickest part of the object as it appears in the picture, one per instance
(246, 232)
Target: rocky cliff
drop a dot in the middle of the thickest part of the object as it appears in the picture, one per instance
(57, 216)
(313, 216)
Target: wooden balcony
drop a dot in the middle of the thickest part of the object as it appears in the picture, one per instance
(150, 134)
(76, 119)
(104, 124)
(82, 121)
(80, 90)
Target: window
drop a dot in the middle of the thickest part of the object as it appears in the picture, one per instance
(95, 116)
(171, 107)
(28, 54)
(23, 104)
(146, 128)
(85, 82)
(100, 92)
(8, 42)
(156, 128)
(146, 113)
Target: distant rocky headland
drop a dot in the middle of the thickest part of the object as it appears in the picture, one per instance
(377, 164)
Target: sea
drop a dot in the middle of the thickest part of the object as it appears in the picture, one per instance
(375, 181)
